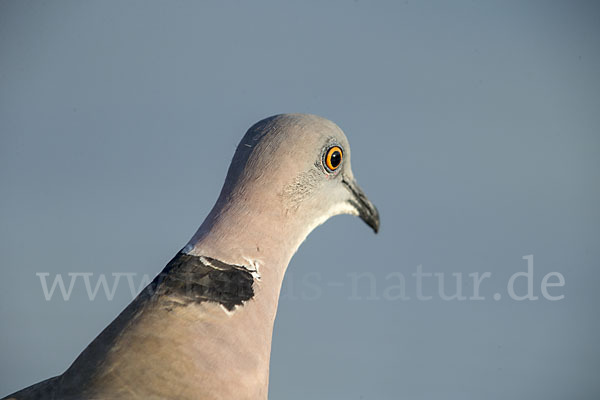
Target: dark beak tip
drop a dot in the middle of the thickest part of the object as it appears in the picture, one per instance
(375, 222)
(366, 210)
(370, 215)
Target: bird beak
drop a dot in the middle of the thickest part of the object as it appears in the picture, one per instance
(366, 210)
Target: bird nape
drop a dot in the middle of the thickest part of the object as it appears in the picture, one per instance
(202, 329)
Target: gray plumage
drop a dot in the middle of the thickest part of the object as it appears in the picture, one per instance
(202, 329)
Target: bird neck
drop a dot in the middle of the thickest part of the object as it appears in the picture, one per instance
(241, 237)
(249, 233)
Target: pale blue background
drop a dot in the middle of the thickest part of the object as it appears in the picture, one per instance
(474, 127)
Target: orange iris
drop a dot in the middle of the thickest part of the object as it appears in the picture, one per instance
(333, 159)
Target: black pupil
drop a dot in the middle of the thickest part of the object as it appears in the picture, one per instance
(335, 159)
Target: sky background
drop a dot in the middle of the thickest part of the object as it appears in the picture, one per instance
(475, 129)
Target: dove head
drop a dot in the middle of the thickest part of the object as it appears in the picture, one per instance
(289, 174)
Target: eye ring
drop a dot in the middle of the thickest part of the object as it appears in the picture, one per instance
(333, 158)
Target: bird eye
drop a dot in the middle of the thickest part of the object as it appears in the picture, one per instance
(333, 158)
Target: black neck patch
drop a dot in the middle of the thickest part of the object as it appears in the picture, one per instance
(195, 279)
